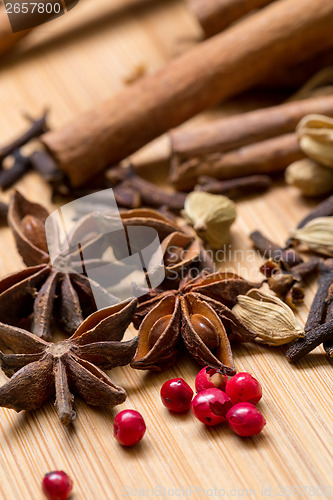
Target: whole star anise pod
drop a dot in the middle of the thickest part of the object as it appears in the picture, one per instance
(40, 289)
(199, 314)
(179, 244)
(38, 369)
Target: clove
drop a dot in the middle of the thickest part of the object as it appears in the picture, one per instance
(312, 339)
(37, 128)
(149, 194)
(288, 282)
(234, 188)
(324, 209)
(317, 314)
(9, 176)
(317, 329)
(270, 250)
(44, 164)
(328, 344)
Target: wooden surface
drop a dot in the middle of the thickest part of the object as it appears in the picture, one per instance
(68, 66)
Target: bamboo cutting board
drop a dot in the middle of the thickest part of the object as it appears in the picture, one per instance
(69, 65)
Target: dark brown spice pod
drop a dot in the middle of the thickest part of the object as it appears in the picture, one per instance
(204, 335)
(38, 369)
(159, 336)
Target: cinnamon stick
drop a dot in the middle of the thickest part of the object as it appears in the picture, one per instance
(294, 77)
(281, 34)
(216, 15)
(272, 155)
(8, 39)
(226, 134)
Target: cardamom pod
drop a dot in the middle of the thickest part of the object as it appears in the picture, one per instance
(211, 217)
(310, 177)
(273, 322)
(315, 134)
(317, 235)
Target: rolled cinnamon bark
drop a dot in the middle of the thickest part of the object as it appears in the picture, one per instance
(216, 15)
(8, 39)
(296, 76)
(265, 157)
(232, 132)
(281, 34)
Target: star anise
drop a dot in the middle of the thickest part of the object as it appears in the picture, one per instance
(179, 244)
(198, 313)
(40, 289)
(38, 369)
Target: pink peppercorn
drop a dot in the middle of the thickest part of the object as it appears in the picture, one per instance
(210, 406)
(208, 378)
(57, 485)
(243, 388)
(129, 427)
(176, 395)
(245, 419)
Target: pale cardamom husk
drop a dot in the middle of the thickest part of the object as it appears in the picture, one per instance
(315, 133)
(211, 216)
(317, 235)
(310, 177)
(273, 322)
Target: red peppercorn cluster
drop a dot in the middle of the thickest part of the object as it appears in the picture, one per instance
(218, 400)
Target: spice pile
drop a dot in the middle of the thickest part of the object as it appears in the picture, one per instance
(286, 275)
(195, 307)
(204, 313)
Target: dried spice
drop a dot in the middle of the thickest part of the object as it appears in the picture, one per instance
(318, 307)
(125, 179)
(288, 282)
(234, 188)
(22, 164)
(47, 168)
(199, 314)
(324, 209)
(271, 250)
(8, 177)
(317, 327)
(38, 369)
(130, 190)
(179, 244)
(310, 177)
(270, 319)
(315, 133)
(317, 336)
(211, 216)
(317, 235)
(40, 290)
(37, 128)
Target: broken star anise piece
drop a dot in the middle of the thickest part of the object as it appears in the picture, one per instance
(38, 369)
(199, 314)
(40, 289)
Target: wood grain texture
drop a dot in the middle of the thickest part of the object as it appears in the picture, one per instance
(71, 70)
